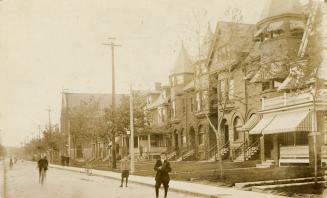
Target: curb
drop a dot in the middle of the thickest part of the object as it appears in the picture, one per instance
(140, 183)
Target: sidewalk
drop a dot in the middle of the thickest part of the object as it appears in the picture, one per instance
(200, 190)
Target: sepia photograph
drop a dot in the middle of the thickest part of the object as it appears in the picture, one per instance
(163, 98)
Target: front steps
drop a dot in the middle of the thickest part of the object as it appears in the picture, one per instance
(266, 164)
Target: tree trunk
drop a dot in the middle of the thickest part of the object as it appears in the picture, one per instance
(113, 150)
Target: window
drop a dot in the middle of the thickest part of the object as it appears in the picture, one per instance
(198, 101)
(183, 137)
(180, 79)
(192, 104)
(231, 89)
(221, 89)
(173, 109)
(159, 115)
(267, 85)
(205, 100)
(201, 135)
(163, 115)
(184, 105)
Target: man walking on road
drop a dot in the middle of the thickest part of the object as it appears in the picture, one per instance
(124, 167)
(43, 166)
(163, 168)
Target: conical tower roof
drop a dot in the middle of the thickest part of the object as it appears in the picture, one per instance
(278, 7)
(205, 47)
(183, 63)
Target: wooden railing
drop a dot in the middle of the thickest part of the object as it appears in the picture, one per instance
(248, 150)
(291, 99)
(294, 152)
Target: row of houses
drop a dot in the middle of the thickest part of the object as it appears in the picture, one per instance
(251, 92)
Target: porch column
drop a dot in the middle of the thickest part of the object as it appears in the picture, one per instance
(149, 144)
(319, 141)
(262, 148)
(138, 144)
(275, 150)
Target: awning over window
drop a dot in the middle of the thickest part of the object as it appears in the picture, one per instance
(289, 121)
(250, 123)
(262, 124)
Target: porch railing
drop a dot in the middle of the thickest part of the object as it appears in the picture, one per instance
(249, 151)
(238, 151)
(294, 152)
(222, 150)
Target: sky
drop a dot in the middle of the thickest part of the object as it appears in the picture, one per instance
(49, 46)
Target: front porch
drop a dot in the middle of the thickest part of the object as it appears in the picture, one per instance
(286, 129)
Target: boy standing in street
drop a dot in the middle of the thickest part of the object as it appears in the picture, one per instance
(163, 168)
(124, 167)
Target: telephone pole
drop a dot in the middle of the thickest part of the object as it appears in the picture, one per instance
(131, 146)
(50, 132)
(113, 92)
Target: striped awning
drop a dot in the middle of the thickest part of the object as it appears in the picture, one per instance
(289, 121)
(250, 123)
(270, 71)
(262, 124)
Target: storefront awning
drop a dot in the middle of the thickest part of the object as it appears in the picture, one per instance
(250, 123)
(262, 124)
(289, 121)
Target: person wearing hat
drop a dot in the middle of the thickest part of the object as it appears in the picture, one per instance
(163, 168)
(124, 167)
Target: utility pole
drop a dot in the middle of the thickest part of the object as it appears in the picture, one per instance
(51, 149)
(131, 146)
(113, 45)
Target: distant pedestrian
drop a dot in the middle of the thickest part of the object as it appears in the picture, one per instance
(163, 168)
(11, 162)
(124, 167)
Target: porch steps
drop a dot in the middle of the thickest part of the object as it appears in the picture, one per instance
(266, 164)
(224, 151)
(171, 155)
(186, 155)
(250, 153)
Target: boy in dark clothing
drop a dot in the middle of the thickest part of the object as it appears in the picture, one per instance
(42, 164)
(163, 168)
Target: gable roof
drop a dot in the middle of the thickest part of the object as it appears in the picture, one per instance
(183, 63)
(71, 100)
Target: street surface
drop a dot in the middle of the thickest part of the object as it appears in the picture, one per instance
(22, 182)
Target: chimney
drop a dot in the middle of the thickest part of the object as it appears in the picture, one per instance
(157, 86)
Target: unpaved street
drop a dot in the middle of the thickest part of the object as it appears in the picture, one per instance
(22, 182)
